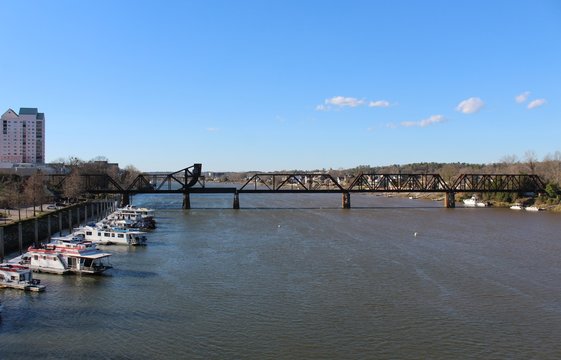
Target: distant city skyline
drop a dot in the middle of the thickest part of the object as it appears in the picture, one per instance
(281, 85)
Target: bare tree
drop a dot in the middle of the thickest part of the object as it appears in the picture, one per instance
(128, 175)
(510, 164)
(35, 191)
(12, 194)
(73, 186)
(449, 173)
(531, 159)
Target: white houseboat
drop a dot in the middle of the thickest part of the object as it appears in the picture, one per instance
(143, 212)
(137, 217)
(17, 276)
(68, 254)
(108, 235)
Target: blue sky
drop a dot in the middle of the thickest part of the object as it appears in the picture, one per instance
(283, 85)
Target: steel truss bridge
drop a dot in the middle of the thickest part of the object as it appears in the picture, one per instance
(190, 181)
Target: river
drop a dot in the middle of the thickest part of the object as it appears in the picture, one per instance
(297, 277)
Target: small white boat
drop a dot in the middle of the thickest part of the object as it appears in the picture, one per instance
(517, 207)
(17, 276)
(69, 254)
(470, 202)
(108, 235)
(533, 208)
(473, 202)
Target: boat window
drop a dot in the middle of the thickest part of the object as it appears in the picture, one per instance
(36, 257)
(112, 235)
(120, 235)
(106, 234)
(88, 232)
(44, 257)
(98, 234)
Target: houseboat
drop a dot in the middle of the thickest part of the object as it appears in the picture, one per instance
(111, 235)
(17, 276)
(132, 217)
(69, 254)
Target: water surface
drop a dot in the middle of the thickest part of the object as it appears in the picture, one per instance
(293, 276)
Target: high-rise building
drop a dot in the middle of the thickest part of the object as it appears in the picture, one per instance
(22, 139)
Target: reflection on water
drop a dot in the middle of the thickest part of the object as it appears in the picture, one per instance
(276, 280)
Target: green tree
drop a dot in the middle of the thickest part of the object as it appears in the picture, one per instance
(552, 190)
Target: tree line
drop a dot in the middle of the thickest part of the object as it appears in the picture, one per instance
(39, 188)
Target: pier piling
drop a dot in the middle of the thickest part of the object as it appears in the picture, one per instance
(236, 200)
(186, 200)
(346, 200)
(450, 200)
(36, 226)
(20, 238)
(125, 199)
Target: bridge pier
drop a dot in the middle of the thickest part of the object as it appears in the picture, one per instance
(186, 200)
(125, 199)
(450, 200)
(236, 200)
(346, 203)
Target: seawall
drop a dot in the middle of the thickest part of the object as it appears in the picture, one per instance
(17, 236)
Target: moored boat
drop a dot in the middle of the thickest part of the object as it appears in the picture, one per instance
(131, 217)
(69, 254)
(517, 207)
(474, 202)
(533, 208)
(17, 276)
(470, 202)
(108, 235)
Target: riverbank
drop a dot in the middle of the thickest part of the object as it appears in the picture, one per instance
(526, 201)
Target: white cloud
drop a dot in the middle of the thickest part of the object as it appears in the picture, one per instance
(536, 103)
(434, 119)
(379, 103)
(470, 106)
(522, 97)
(344, 101)
(322, 107)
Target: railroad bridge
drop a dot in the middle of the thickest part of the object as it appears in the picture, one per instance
(190, 181)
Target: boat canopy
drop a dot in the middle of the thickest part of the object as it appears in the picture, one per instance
(93, 256)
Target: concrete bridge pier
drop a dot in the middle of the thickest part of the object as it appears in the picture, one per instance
(236, 200)
(450, 200)
(125, 199)
(186, 200)
(346, 200)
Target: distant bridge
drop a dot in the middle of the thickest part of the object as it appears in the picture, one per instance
(190, 181)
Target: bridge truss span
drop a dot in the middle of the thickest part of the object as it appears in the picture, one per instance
(180, 180)
(398, 183)
(308, 182)
(498, 183)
